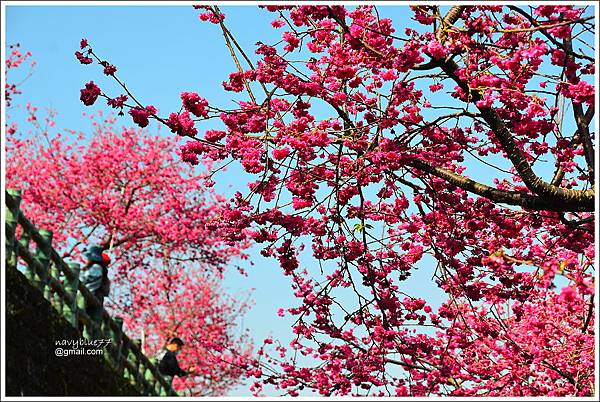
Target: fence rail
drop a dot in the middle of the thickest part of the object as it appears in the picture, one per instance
(59, 283)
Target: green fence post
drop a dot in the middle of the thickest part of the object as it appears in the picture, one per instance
(97, 318)
(57, 300)
(117, 341)
(124, 355)
(12, 217)
(82, 304)
(123, 352)
(133, 359)
(150, 379)
(142, 382)
(42, 256)
(141, 367)
(24, 244)
(72, 289)
(158, 387)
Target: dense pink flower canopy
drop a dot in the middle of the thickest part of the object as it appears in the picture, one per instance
(375, 148)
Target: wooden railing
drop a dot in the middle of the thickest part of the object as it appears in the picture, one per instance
(59, 283)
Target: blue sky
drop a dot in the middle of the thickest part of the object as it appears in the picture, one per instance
(161, 51)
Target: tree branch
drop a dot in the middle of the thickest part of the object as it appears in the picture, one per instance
(554, 195)
(582, 127)
(551, 38)
(532, 181)
(559, 174)
(449, 19)
(502, 196)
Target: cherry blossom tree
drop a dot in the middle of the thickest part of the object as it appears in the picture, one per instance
(168, 301)
(127, 190)
(465, 137)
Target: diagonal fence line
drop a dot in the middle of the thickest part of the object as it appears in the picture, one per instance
(59, 283)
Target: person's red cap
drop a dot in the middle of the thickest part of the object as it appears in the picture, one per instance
(105, 258)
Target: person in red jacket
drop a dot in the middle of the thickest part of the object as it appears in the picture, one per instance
(94, 276)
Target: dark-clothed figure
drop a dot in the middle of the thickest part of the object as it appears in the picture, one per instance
(168, 365)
